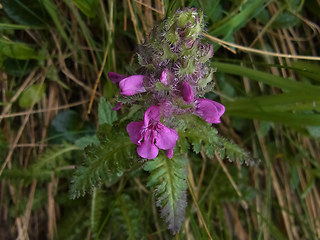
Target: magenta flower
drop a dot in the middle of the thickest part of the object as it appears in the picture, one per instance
(132, 85)
(150, 134)
(187, 93)
(117, 107)
(128, 85)
(163, 77)
(115, 77)
(209, 110)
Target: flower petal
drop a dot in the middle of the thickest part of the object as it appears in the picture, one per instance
(152, 114)
(187, 93)
(135, 131)
(169, 153)
(147, 149)
(117, 107)
(132, 85)
(166, 138)
(163, 77)
(209, 110)
(115, 77)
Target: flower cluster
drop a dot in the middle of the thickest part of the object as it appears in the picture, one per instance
(176, 72)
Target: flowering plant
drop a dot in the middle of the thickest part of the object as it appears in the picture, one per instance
(174, 76)
(177, 72)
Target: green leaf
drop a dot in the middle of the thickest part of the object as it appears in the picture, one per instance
(54, 13)
(105, 114)
(19, 50)
(18, 68)
(104, 162)
(53, 75)
(8, 26)
(233, 23)
(285, 20)
(307, 69)
(4, 146)
(291, 119)
(200, 134)
(88, 7)
(26, 12)
(267, 78)
(314, 131)
(291, 101)
(46, 163)
(97, 207)
(168, 176)
(68, 125)
(86, 141)
(32, 95)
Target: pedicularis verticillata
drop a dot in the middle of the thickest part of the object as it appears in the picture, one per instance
(174, 76)
(175, 61)
(176, 72)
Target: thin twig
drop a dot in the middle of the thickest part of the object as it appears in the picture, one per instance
(253, 50)
(148, 6)
(134, 22)
(198, 210)
(43, 110)
(98, 80)
(244, 204)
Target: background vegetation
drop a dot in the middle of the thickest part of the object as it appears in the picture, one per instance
(54, 56)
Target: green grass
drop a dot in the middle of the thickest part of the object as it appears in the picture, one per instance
(56, 48)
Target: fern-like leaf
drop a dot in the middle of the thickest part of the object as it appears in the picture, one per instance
(104, 162)
(41, 169)
(168, 176)
(198, 133)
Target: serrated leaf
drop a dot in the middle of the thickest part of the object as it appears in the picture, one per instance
(43, 167)
(201, 134)
(105, 114)
(168, 176)
(104, 162)
(32, 95)
(86, 141)
(198, 133)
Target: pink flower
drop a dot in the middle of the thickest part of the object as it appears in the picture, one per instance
(128, 85)
(209, 110)
(187, 93)
(163, 77)
(115, 77)
(150, 134)
(117, 107)
(132, 85)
